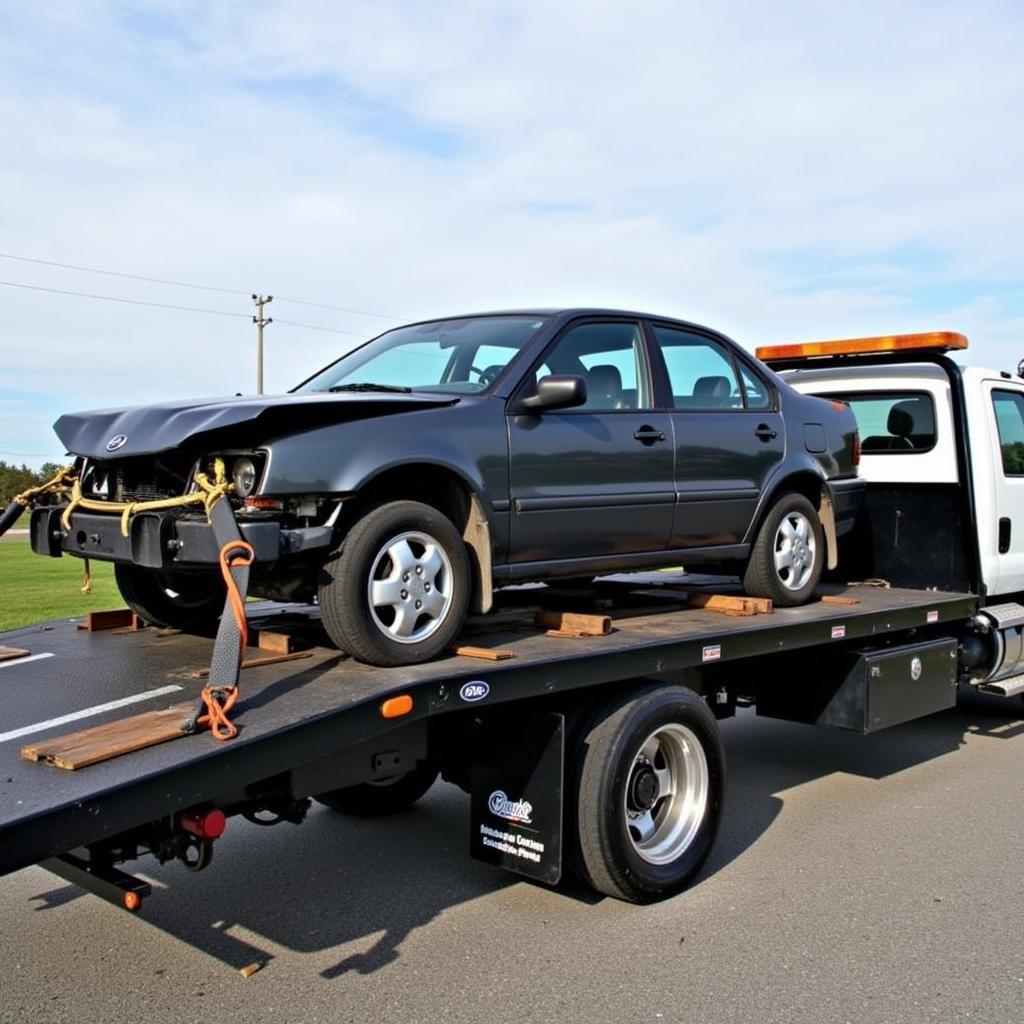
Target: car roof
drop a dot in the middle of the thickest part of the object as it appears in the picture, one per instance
(568, 312)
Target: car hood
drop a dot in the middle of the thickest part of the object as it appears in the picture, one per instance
(248, 421)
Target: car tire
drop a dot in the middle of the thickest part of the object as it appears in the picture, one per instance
(788, 555)
(397, 590)
(189, 601)
(647, 794)
(385, 796)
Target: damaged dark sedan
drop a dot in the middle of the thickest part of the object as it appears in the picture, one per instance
(403, 483)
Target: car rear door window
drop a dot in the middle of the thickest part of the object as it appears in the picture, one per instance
(755, 390)
(700, 370)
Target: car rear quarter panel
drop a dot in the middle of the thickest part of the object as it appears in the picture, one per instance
(802, 415)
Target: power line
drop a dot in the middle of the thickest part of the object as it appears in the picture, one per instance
(340, 309)
(114, 298)
(168, 305)
(116, 273)
(187, 284)
(316, 327)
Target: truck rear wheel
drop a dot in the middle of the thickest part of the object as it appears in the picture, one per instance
(385, 796)
(190, 601)
(396, 591)
(649, 783)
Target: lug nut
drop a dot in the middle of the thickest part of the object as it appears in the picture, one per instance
(405, 577)
(426, 586)
(405, 595)
(419, 570)
(419, 604)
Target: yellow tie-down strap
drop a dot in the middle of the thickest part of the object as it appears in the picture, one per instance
(67, 483)
(209, 493)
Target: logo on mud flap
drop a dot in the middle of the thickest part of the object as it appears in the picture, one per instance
(511, 810)
(474, 691)
(117, 441)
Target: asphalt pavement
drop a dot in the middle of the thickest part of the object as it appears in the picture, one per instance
(855, 879)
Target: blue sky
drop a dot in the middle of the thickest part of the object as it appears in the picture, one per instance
(780, 172)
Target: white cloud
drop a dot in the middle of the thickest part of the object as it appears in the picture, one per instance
(799, 170)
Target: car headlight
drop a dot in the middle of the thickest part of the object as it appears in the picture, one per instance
(244, 474)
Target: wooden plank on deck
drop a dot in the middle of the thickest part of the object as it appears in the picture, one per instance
(102, 742)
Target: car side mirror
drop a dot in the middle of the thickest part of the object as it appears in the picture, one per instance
(556, 391)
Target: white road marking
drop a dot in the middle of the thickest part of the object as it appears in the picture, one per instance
(24, 661)
(88, 712)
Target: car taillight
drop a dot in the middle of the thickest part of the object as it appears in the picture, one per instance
(856, 448)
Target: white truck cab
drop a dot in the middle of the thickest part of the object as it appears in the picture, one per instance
(942, 451)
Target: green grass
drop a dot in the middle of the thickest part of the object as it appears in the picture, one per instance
(34, 588)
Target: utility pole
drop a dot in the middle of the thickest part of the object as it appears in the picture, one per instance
(260, 321)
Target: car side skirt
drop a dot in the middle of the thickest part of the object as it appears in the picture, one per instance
(601, 564)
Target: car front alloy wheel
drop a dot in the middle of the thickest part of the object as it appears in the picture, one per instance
(397, 589)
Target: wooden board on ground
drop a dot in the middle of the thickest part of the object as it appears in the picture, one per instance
(485, 653)
(574, 624)
(7, 653)
(102, 742)
(114, 619)
(202, 673)
(731, 605)
(277, 643)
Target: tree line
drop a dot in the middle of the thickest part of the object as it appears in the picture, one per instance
(15, 479)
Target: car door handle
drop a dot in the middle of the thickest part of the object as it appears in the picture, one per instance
(648, 435)
(765, 433)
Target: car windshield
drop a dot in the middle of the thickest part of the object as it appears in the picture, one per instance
(461, 356)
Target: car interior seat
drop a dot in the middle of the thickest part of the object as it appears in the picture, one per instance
(911, 426)
(712, 391)
(604, 387)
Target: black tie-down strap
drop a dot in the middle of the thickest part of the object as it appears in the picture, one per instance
(221, 691)
(10, 516)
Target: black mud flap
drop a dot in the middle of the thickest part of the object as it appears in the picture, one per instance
(516, 807)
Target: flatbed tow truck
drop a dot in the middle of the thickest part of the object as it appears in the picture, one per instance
(598, 753)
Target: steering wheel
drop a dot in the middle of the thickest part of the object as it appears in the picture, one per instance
(488, 375)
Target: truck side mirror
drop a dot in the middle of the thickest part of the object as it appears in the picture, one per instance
(556, 391)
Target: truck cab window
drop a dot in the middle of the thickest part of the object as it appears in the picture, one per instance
(892, 422)
(1009, 410)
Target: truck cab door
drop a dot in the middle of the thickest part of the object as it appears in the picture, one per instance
(1001, 520)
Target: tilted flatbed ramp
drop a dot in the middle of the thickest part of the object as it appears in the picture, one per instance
(295, 712)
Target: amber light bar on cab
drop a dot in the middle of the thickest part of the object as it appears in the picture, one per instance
(931, 341)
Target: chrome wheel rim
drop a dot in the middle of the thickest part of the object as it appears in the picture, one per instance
(667, 794)
(410, 587)
(795, 550)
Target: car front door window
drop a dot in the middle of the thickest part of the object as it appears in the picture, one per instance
(610, 358)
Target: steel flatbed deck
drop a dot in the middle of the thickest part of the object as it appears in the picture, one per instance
(298, 711)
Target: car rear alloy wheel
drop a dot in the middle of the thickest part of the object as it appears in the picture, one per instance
(795, 550)
(649, 779)
(788, 555)
(397, 589)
